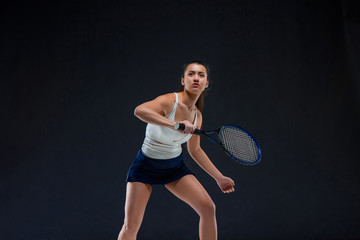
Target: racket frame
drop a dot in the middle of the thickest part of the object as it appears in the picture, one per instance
(180, 126)
(252, 138)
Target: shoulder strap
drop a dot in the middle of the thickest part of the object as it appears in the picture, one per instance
(176, 97)
(171, 115)
(176, 101)
(195, 118)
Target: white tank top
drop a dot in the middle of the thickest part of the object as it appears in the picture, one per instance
(163, 142)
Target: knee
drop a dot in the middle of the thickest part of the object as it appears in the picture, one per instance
(207, 209)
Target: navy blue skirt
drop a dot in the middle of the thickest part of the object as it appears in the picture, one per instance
(156, 171)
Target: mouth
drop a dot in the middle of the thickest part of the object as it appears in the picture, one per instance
(195, 85)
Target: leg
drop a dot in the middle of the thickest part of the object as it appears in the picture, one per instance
(193, 193)
(137, 196)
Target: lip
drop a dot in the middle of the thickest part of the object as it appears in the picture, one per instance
(195, 85)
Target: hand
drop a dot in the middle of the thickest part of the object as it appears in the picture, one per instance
(189, 128)
(226, 184)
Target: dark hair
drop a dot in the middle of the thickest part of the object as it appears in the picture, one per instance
(200, 102)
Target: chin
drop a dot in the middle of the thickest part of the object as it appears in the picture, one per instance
(194, 91)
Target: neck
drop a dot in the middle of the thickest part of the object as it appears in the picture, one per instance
(189, 99)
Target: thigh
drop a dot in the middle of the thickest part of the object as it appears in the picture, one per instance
(190, 190)
(137, 196)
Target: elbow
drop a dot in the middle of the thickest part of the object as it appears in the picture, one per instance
(193, 151)
(138, 111)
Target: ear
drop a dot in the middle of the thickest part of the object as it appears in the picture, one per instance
(207, 84)
(182, 81)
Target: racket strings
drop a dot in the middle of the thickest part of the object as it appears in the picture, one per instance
(239, 144)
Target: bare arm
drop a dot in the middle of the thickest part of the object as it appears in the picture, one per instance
(154, 111)
(197, 153)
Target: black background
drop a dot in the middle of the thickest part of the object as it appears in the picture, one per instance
(73, 72)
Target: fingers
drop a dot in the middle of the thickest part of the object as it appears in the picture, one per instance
(229, 187)
(189, 128)
(229, 190)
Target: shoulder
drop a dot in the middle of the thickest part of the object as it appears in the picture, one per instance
(168, 97)
(165, 102)
(161, 104)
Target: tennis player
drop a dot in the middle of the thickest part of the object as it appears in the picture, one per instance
(160, 159)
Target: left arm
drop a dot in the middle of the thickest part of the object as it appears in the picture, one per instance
(197, 153)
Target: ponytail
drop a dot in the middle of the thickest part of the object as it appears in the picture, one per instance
(200, 102)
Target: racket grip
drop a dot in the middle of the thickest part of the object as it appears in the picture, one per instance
(181, 127)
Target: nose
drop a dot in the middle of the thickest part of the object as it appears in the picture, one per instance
(196, 77)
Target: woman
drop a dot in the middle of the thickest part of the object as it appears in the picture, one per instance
(160, 159)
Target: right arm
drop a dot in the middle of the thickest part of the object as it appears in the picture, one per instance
(154, 111)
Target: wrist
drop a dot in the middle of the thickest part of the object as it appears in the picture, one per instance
(218, 177)
(171, 124)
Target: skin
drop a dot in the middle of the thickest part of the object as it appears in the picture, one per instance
(188, 187)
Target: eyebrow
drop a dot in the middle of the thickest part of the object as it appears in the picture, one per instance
(194, 71)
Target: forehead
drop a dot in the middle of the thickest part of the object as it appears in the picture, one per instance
(196, 68)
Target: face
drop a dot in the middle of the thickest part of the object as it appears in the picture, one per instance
(195, 78)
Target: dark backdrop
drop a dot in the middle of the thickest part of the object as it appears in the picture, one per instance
(73, 72)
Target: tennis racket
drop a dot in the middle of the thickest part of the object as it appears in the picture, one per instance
(234, 140)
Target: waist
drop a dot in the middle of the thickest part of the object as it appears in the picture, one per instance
(158, 150)
(158, 163)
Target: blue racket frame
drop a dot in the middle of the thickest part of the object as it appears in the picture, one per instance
(180, 126)
(252, 138)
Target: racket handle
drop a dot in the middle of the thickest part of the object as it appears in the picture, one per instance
(181, 127)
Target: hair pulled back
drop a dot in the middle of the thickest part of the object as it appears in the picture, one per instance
(200, 102)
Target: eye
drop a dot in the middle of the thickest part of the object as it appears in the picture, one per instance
(202, 75)
(190, 74)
